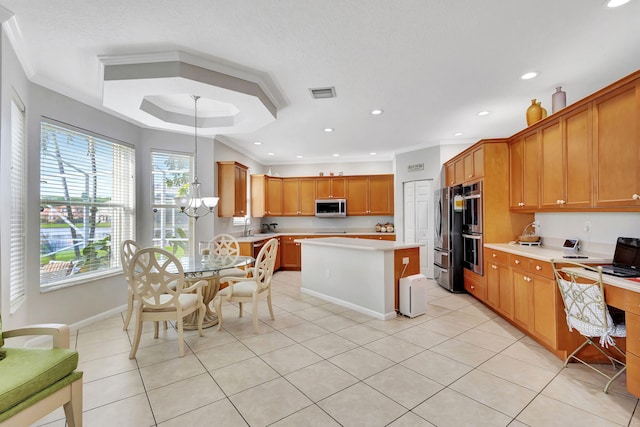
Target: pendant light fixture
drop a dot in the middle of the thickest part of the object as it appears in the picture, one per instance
(192, 204)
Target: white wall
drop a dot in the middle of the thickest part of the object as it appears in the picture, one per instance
(605, 228)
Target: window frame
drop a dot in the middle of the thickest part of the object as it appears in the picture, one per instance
(118, 168)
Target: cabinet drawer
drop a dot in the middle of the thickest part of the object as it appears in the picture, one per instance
(633, 373)
(519, 262)
(496, 256)
(479, 290)
(632, 303)
(541, 268)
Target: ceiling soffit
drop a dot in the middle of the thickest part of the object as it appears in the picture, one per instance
(158, 95)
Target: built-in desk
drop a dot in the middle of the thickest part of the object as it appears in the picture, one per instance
(625, 295)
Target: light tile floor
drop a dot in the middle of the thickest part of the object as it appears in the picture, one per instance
(319, 364)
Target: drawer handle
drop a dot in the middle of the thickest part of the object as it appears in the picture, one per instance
(517, 261)
(538, 268)
(636, 197)
(495, 267)
(472, 287)
(495, 255)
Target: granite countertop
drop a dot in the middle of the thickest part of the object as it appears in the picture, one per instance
(262, 236)
(544, 253)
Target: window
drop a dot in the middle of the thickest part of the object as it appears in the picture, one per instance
(17, 245)
(171, 175)
(87, 193)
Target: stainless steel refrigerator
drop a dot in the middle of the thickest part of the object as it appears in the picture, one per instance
(448, 269)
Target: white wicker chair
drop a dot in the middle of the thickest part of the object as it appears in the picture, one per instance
(225, 251)
(587, 312)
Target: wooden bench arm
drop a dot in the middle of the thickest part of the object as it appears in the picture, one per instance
(59, 332)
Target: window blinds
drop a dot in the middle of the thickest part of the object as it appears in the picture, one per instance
(87, 196)
(17, 245)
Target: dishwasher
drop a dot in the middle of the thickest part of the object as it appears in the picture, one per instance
(257, 246)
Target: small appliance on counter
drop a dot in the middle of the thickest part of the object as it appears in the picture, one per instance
(570, 247)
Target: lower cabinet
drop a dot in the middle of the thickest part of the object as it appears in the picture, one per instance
(291, 253)
(474, 286)
(499, 283)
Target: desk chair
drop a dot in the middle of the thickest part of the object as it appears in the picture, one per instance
(250, 289)
(156, 279)
(36, 381)
(587, 312)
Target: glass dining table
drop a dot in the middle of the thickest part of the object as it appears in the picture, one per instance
(212, 269)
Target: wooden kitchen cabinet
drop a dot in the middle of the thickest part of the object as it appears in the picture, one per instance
(232, 189)
(499, 285)
(524, 172)
(299, 196)
(566, 152)
(474, 164)
(450, 173)
(266, 196)
(370, 195)
(331, 187)
(617, 147)
(291, 253)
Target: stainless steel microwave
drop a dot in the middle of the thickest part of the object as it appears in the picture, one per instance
(331, 207)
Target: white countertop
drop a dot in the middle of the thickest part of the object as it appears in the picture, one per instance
(360, 244)
(263, 236)
(544, 253)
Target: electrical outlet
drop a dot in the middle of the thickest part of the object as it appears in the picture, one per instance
(405, 260)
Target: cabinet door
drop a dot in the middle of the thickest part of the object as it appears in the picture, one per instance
(323, 188)
(493, 284)
(338, 188)
(274, 196)
(290, 253)
(474, 165)
(357, 195)
(617, 147)
(307, 196)
(579, 158)
(458, 168)
(506, 291)
(290, 197)
(553, 160)
(522, 297)
(524, 172)
(380, 195)
(240, 202)
(450, 174)
(330, 188)
(544, 308)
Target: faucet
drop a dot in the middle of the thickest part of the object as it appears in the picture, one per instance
(247, 222)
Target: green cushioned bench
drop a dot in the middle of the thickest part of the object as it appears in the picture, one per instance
(36, 381)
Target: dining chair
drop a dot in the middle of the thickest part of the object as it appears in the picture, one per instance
(588, 313)
(128, 248)
(225, 250)
(250, 289)
(156, 279)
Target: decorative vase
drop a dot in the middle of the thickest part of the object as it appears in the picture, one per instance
(534, 112)
(544, 110)
(558, 100)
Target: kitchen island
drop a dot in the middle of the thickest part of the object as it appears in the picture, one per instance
(360, 274)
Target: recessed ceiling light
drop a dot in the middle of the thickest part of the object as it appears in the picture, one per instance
(271, 154)
(373, 154)
(616, 3)
(458, 134)
(483, 113)
(298, 157)
(336, 155)
(530, 75)
(328, 129)
(376, 112)
(257, 143)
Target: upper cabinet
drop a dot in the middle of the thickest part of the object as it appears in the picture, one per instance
(331, 187)
(299, 196)
(617, 147)
(585, 157)
(523, 172)
(370, 195)
(232, 189)
(469, 167)
(566, 155)
(266, 196)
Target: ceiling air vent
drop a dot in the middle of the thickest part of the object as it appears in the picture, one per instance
(323, 92)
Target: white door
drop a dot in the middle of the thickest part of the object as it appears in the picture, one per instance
(418, 220)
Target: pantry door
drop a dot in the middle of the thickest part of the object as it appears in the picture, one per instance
(418, 220)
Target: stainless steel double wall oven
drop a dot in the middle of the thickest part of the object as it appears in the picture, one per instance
(472, 227)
